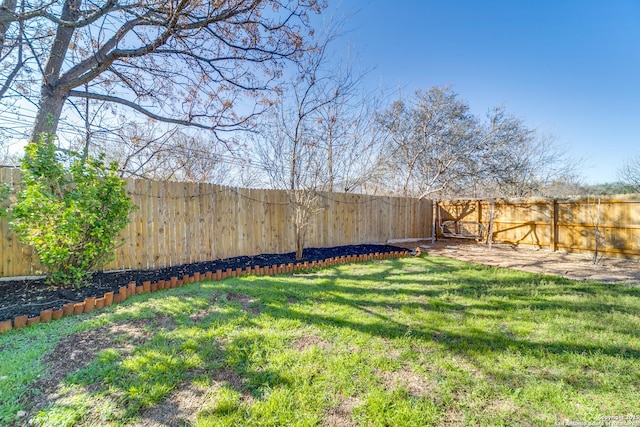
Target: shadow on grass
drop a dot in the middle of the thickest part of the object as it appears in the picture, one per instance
(190, 349)
(497, 291)
(470, 343)
(133, 380)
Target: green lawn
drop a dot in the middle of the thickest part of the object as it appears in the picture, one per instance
(405, 342)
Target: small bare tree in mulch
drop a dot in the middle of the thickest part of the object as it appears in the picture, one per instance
(305, 204)
(313, 141)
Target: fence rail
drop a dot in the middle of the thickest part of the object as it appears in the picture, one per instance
(566, 225)
(178, 223)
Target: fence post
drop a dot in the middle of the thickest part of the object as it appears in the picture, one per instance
(553, 225)
(491, 218)
(434, 213)
(479, 209)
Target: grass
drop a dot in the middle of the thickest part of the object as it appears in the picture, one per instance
(411, 342)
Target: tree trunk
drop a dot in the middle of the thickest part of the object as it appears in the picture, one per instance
(300, 232)
(52, 97)
(48, 115)
(292, 176)
(299, 245)
(597, 233)
(7, 9)
(299, 222)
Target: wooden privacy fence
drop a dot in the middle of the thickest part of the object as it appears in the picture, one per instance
(178, 223)
(570, 225)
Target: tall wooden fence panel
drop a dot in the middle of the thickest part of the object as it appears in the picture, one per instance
(570, 225)
(178, 223)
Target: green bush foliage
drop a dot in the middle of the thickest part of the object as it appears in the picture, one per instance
(70, 210)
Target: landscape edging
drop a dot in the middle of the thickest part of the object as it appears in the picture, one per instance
(111, 298)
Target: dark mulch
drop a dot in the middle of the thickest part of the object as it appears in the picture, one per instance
(29, 297)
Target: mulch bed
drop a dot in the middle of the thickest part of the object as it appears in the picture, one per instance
(30, 297)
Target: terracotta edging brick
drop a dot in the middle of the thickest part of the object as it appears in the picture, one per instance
(5, 326)
(46, 315)
(89, 304)
(78, 308)
(19, 322)
(108, 298)
(67, 309)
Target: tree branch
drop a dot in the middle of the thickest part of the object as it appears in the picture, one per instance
(140, 109)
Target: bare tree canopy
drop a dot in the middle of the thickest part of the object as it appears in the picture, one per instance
(319, 134)
(183, 62)
(520, 161)
(629, 173)
(429, 140)
(152, 151)
(437, 148)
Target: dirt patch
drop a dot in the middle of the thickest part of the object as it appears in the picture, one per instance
(180, 408)
(229, 376)
(341, 415)
(416, 385)
(571, 266)
(161, 321)
(306, 341)
(245, 301)
(78, 350)
(390, 351)
(453, 417)
(502, 406)
(291, 300)
(235, 381)
(204, 313)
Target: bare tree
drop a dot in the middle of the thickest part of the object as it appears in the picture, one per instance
(347, 134)
(183, 62)
(436, 147)
(313, 140)
(629, 173)
(520, 161)
(8, 158)
(154, 151)
(428, 141)
(289, 143)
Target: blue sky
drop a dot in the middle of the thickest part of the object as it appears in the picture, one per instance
(569, 68)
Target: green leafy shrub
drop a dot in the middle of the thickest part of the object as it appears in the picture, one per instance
(5, 192)
(70, 210)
